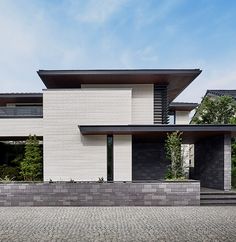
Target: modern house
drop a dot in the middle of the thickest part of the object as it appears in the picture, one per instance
(113, 124)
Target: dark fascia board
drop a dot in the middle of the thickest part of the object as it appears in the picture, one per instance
(17, 138)
(176, 80)
(20, 95)
(21, 116)
(130, 129)
(182, 106)
(20, 98)
(119, 72)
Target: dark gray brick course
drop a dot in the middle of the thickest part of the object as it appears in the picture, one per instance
(102, 194)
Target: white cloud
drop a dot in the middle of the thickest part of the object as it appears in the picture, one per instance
(30, 41)
(148, 54)
(95, 11)
(34, 38)
(146, 15)
(145, 57)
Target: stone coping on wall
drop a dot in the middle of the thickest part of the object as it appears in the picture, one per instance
(100, 194)
(95, 182)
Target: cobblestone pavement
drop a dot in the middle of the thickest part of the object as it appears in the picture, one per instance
(118, 224)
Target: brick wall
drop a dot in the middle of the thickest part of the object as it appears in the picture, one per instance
(101, 194)
(212, 164)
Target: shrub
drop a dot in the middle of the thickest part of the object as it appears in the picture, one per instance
(9, 172)
(100, 179)
(31, 166)
(173, 153)
(6, 179)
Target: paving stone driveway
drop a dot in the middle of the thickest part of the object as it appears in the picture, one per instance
(118, 224)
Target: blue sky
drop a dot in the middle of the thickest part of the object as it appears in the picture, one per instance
(93, 34)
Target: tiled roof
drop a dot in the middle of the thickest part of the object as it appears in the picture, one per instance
(231, 93)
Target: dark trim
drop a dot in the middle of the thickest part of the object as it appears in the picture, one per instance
(119, 71)
(21, 95)
(182, 106)
(20, 117)
(6, 98)
(87, 129)
(17, 138)
(191, 133)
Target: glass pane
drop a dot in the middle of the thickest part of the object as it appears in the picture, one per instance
(110, 158)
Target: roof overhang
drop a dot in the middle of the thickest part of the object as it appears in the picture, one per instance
(176, 79)
(20, 98)
(177, 106)
(191, 133)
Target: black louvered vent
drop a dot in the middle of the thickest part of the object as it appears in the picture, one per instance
(160, 105)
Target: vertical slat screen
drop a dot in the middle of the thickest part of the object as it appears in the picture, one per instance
(160, 105)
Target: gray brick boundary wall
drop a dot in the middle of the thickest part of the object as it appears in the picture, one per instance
(101, 194)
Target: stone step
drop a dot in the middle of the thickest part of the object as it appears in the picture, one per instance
(218, 202)
(219, 193)
(220, 197)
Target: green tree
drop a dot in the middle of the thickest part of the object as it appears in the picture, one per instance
(31, 165)
(218, 110)
(173, 153)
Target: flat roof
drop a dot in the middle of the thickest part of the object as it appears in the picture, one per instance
(176, 79)
(182, 106)
(31, 97)
(190, 132)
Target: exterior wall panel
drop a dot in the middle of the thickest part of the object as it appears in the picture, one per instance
(122, 157)
(68, 154)
(142, 100)
(182, 117)
(21, 127)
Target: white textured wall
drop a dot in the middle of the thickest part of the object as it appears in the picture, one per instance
(68, 154)
(142, 100)
(122, 157)
(21, 127)
(182, 117)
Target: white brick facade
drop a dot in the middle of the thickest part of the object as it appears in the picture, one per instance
(142, 100)
(68, 154)
(21, 127)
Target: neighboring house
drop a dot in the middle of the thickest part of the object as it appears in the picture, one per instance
(113, 124)
(217, 93)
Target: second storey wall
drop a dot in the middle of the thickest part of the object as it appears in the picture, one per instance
(142, 100)
(67, 153)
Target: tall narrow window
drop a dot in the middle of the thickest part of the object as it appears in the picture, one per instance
(109, 157)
